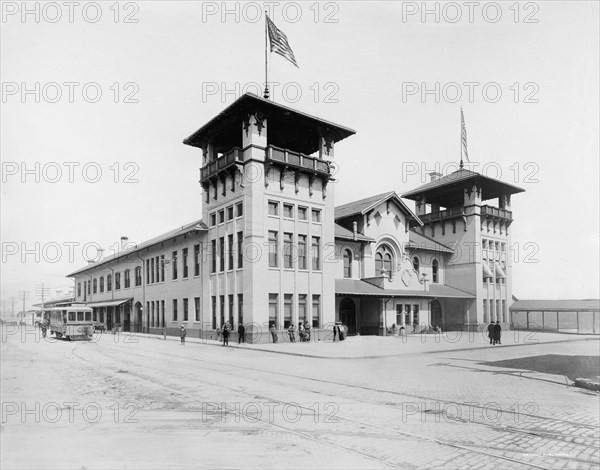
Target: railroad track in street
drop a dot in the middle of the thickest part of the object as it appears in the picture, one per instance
(387, 430)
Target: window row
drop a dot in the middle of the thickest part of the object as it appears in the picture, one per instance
(492, 245)
(290, 211)
(294, 251)
(98, 285)
(313, 317)
(494, 314)
(221, 316)
(435, 269)
(224, 251)
(155, 311)
(405, 315)
(230, 213)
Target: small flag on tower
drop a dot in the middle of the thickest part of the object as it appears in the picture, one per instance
(463, 136)
(279, 42)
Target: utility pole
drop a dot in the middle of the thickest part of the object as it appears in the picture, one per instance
(24, 294)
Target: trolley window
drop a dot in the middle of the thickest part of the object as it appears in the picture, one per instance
(88, 316)
(72, 316)
(80, 316)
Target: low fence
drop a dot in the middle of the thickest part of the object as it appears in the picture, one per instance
(579, 322)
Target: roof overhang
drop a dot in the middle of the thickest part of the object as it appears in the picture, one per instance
(108, 303)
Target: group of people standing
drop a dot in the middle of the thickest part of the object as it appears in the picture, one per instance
(494, 332)
(303, 332)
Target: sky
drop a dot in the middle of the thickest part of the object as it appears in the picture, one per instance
(97, 98)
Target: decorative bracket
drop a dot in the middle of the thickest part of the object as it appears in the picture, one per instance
(297, 181)
(260, 122)
(311, 181)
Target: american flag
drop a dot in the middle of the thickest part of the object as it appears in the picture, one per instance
(463, 133)
(279, 42)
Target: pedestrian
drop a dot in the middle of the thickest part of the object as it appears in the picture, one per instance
(335, 331)
(226, 329)
(43, 327)
(306, 331)
(415, 326)
(273, 333)
(491, 333)
(182, 334)
(292, 333)
(497, 332)
(301, 332)
(241, 333)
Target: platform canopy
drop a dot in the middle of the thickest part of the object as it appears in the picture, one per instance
(287, 127)
(448, 191)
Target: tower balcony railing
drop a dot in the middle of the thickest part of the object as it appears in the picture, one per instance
(455, 212)
(222, 163)
(297, 160)
(496, 212)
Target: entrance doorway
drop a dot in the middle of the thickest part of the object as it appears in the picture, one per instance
(436, 314)
(348, 315)
(127, 317)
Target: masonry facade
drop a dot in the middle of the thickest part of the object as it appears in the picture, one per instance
(271, 248)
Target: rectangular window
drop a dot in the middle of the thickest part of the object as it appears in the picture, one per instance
(89, 286)
(213, 254)
(162, 268)
(196, 260)
(485, 311)
(288, 309)
(399, 315)
(288, 211)
(222, 309)
(241, 308)
(504, 311)
(222, 216)
(407, 314)
(102, 282)
(316, 311)
(301, 251)
(214, 312)
(231, 322)
(415, 313)
(185, 309)
(273, 208)
(273, 309)
(117, 281)
(230, 250)
(196, 308)
(222, 254)
(184, 261)
(273, 262)
(302, 312)
(147, 271)
(316, 215)
(174, 309)
(127, 278)
(153, 314)
(240, 253)
(288, 246)
(109, 283)
(95, 284)
(316, 253)
(239, 209)
(152, 270)
(138, 276)
(157, 269)
(162, 304)
(213, 219)
(302, 213)
(174, 262)
(230, 213)
(498, 311)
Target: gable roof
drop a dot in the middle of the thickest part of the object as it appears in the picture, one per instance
(417, 241)
(447, 190)
(196, 225)
(362, 206)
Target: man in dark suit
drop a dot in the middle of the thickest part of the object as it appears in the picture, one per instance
(497, 332)
(491, 328)
(241, 333)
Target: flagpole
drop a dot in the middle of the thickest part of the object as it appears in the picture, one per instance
(266, 94)
(460, 139)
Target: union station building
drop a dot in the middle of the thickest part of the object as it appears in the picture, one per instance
(272, 248)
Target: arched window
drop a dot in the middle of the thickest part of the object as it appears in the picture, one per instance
(79, 289)
(101, 283)
(109, 282)
(416, 264)
(383, 261)
(95, 285)
(347, 264)
(435, 269)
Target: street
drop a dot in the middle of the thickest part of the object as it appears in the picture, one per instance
(133, 401)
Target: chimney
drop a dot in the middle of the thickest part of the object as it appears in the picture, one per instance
(354, 230)
(100, 253)
(124, 241)
(434, 175)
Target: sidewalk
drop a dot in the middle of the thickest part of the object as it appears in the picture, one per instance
(364, 347)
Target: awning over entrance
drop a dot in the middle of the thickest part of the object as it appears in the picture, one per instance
(108, 303)
(358, 287)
